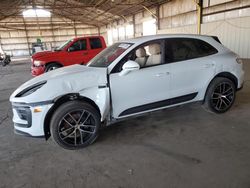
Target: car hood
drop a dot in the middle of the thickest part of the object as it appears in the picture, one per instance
(44, 54)
(70, 79)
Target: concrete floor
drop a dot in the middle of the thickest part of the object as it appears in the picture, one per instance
(180, 147)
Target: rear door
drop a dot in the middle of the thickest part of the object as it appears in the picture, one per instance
(95, 46)
(192, 65)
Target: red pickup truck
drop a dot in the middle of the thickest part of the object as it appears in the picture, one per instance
(75, 51)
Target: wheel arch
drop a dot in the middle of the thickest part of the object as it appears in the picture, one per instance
(58, 102)
(51, 62)
(228, 75)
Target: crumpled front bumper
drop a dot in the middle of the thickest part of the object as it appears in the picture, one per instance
(36, 71)
(29, 118)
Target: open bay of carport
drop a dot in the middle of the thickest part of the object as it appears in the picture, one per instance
(179, 147)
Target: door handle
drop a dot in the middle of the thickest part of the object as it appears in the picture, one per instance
(208, 65)
(85, 53)
(167, 73)
(162, 74)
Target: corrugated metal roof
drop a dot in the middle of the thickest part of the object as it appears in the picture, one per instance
(90, 12)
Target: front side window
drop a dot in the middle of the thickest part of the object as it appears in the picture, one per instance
(146, 55)
(63, 45)
(181, 49)
(107, 56)
(79, 45)
(95, 43)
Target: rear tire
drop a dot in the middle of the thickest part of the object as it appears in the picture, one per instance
(75, 125)
(52, 66)
(220, 95)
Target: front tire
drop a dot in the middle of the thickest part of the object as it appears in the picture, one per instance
(220, 95)
(51, 67)
(75, 125)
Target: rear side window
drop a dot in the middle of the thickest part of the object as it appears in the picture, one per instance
(204, 48)
(181, 49)
(95, 43)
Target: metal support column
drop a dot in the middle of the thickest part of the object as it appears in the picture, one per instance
(1, 49)
(134, 25)
(199, 5)
(53, 43)
(26, 34)
(74, 26)
(99, 31)
(158, 17)
(150, 12)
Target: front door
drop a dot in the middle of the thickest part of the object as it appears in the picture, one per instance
(77, 53)
(141, 90)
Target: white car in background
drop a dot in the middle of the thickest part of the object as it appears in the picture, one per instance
(129, 78)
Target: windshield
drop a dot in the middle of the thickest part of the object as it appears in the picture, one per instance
(63, 45)
(107, 56)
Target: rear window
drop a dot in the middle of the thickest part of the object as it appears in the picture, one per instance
(95, 43)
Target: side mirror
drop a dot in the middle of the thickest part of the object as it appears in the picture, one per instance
(128, 67)
(71, 48)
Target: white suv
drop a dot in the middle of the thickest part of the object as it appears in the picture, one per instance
(129, 78)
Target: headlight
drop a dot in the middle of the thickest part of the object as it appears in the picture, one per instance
(37, 63)
(31, 89)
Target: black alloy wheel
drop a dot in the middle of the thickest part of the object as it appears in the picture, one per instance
(220, 95)
(75, 125)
